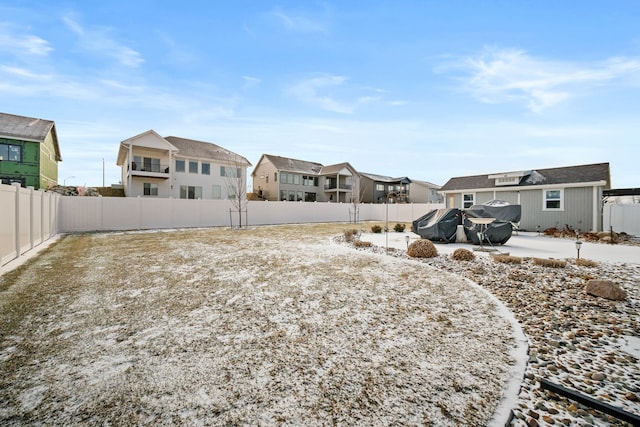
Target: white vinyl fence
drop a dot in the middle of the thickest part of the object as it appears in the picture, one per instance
(28, 218)
(621, 218)
(79, 214)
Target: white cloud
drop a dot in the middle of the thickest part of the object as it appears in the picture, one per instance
(510, 75)
(309, 90)
(250, 82)
(298, 23)
(99, 41)
(22, 44)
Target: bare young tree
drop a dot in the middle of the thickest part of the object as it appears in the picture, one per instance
(236, 186)
(357, 195)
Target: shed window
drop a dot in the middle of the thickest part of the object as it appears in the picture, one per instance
(468, 200)
(553, 200)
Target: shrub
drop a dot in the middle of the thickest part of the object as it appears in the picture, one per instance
(399, 227)
(462, 254)
(506, 259)
(553, 263)
(350, 235)
(586, 262)
(361, 244)
(422, 249)
(376, 228)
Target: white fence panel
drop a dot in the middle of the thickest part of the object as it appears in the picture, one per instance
(27, 219)
(8, 223)
(113, 213)
(24, 219)
(44, 216)
(36, 217)
(622, 218)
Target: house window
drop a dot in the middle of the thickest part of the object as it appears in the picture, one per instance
(289, 178)
(379, 187)
(193, 166)
(231, 193)
(275, 177)
(230, 172)
(468, 200)
(146, 164)
(309, 197)
(206, 168)
(190, 192)
(283, 195)
(150, 189)
(310, 180)
(299, 196)
(292, 196)
(10, 152)
(553, 200)
(179, 165)
(216, 192)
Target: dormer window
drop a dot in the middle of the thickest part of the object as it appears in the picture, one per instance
(509, 178)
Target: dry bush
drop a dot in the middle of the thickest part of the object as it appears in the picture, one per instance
(399, 227)
(422, 249)
(376, 228)
(462, 254)
(553, 263)
(350, 234)
(586, 262)
(361, 244)
(507, 259)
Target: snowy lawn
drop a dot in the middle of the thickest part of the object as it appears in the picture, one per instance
(267, 326)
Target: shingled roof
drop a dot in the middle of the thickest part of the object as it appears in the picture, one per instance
(554, 176)
(383, 178)
(28, 129)
(293, 165)
(192, 148)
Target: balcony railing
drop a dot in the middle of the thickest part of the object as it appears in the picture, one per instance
(154, 168)
(332, 186)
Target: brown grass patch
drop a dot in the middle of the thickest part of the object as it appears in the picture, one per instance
(553, 263)
(507, 259)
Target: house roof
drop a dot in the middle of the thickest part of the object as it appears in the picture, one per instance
(337, 168)
(425, 184)
(563, 175)
(28, 129)
(293, 165)
(382, 178)
(200, 149)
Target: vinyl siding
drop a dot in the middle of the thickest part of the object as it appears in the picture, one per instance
(577, 211)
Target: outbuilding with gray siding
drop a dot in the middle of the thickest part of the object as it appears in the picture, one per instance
(561, 197)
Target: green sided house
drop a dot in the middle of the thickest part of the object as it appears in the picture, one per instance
(29, 151)
(557, 197)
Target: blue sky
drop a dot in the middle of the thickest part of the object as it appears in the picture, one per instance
(425, 89)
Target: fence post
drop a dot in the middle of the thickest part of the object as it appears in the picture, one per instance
(16, 186)
(31, 217)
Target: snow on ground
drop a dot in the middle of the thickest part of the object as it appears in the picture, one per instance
(590, 345)
(271, 326)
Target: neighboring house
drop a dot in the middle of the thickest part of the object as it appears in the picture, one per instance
(153, 166)
(557, 197)
(29, 151)
(380, 189)
(282, 178)
(425, 192)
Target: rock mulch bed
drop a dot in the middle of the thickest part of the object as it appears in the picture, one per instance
(575, 339)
